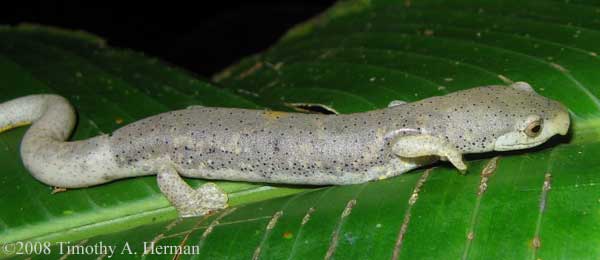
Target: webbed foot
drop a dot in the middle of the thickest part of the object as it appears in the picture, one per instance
(185, 199)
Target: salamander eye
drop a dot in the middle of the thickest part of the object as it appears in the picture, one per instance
(534, 128)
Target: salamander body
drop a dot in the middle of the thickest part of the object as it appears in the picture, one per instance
(280, 147)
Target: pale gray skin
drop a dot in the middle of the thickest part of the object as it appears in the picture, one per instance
(279, 147)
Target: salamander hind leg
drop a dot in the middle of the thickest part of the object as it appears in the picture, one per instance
(190, 202)
(426, 145)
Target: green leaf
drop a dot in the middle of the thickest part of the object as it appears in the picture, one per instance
(359, 55)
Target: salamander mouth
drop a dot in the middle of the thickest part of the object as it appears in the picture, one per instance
(507, 147)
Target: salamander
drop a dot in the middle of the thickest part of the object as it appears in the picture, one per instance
(280, 147)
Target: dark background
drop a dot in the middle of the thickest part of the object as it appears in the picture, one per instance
(203, 37)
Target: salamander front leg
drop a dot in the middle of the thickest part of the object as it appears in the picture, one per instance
(185, 199)
(426, 145)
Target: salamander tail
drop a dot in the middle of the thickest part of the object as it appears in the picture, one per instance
(44, 150)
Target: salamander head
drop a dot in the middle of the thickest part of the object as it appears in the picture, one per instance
(539, 118)
(496, 118)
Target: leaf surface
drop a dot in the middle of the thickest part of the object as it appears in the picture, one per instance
(359, 55)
